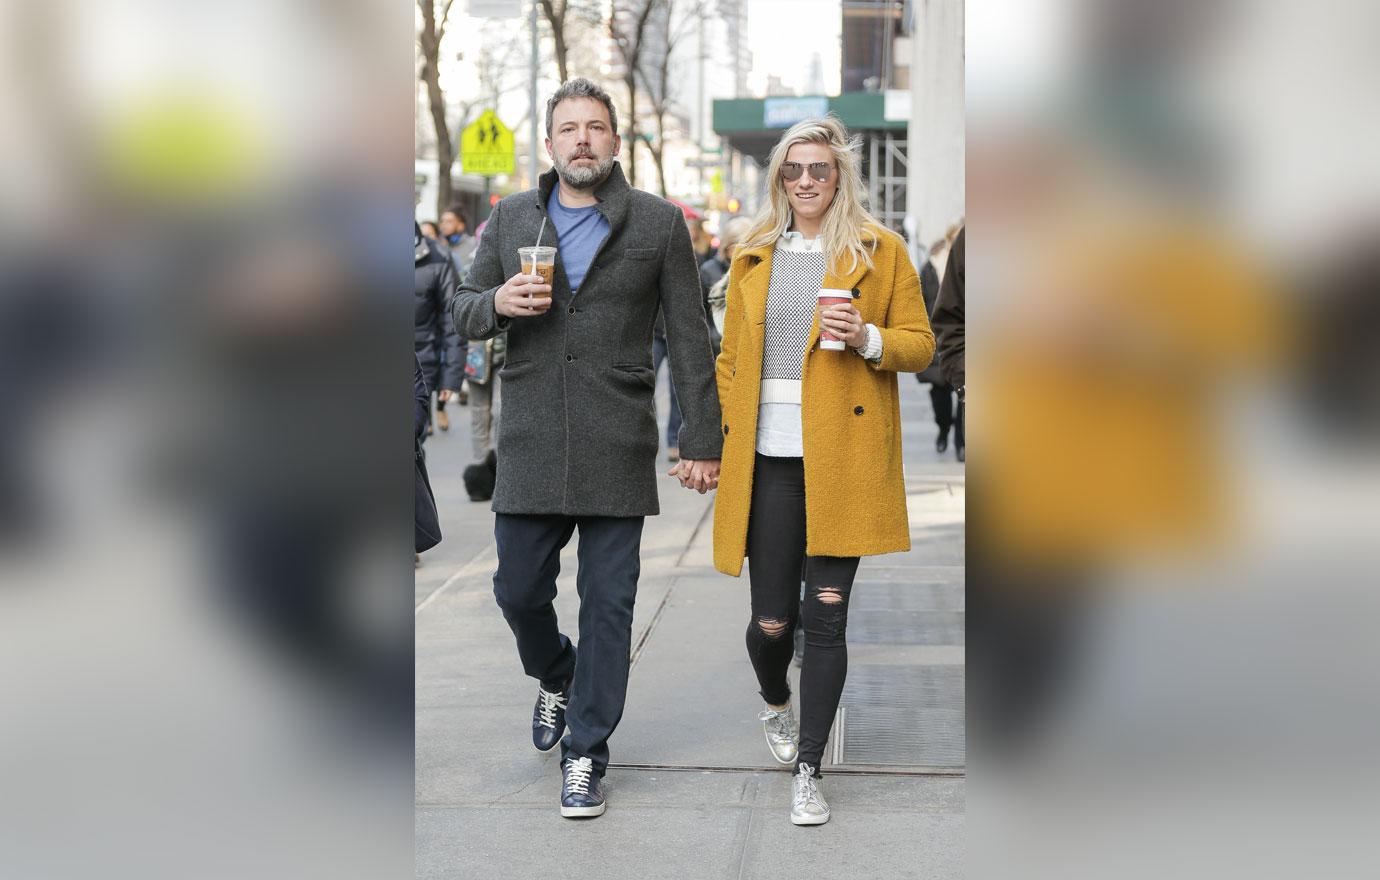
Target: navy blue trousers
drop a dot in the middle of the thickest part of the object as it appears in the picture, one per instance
(529, 559)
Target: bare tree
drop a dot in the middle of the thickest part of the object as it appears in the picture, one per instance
(498, 70)
(568, 20)
(667, 30)
(496, 74)
(432, 33)
(556, 12)
(629, 27)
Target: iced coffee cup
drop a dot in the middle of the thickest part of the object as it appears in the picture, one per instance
(540, 260)
(831, 297)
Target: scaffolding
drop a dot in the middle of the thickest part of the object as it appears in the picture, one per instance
(886, 175)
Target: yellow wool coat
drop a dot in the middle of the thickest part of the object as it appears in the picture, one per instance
(855, 495)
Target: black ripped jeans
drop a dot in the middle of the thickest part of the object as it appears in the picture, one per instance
(776, 565)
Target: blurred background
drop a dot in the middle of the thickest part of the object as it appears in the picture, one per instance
(205, 650)
(1171, 604)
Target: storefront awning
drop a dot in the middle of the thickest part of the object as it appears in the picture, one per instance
(754, 125)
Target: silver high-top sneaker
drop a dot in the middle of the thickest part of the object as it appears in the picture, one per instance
(782, 733)
(808, 806)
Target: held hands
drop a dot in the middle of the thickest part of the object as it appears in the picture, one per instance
(844, 321)
(701, 476)
(523, 296)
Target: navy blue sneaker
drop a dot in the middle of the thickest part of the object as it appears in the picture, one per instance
(548, 717)
(582, 795)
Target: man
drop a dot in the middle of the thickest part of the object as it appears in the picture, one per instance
(438, 346)
(577, 442)
(455, 232)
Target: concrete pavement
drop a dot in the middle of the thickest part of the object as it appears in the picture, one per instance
(692, 789)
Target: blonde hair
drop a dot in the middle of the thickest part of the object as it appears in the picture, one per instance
(849, 230)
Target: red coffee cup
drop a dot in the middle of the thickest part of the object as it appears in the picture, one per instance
(831, 297)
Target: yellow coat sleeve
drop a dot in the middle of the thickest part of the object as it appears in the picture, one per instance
(907, 340)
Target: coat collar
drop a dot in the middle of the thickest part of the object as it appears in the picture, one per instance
(832, 278)
(614, 194)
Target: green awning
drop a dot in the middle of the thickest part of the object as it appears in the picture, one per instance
(754, 125)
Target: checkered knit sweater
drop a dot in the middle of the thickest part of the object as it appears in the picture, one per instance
(797, 270)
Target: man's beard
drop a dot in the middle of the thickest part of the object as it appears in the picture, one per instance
(582, 176)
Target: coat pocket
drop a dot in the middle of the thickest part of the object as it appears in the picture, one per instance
(638, 374)
(640, 253)
(514, 368)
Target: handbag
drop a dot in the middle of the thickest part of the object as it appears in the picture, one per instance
(479, 361)
(427, 520)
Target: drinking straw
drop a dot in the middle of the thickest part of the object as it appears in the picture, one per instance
(538, 244)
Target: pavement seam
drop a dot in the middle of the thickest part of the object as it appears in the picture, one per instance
(469, 569)
(699, 524)
(834, 769)
(651, 625)
(747, 838)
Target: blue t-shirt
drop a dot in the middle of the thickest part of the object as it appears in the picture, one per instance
(579, 231)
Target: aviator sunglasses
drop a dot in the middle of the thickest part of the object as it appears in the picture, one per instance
(820, 171)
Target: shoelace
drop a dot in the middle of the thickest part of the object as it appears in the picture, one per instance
(780, 722)
(806, 788)
(549, 704)
(577, 775)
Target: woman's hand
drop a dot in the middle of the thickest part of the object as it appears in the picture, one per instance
(844, 321)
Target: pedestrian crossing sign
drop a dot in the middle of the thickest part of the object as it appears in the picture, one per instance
(486, 146)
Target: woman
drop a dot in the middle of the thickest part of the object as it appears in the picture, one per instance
(811, 476)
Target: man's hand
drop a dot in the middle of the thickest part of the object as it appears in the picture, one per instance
(523, 296)
(702, 476)
(845, 322)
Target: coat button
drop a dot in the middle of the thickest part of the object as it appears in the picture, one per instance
(857, 410)
(569, 358)
(725, 430)
(572, 310)
(856, 293)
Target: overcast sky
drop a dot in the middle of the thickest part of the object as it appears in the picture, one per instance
(784, 34)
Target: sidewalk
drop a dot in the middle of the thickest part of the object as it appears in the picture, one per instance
(692, 790)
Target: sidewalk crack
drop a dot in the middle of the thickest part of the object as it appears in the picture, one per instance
(512, 794)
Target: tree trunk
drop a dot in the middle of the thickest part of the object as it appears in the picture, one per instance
(431, 75)
(659, 150)
(557, 22)
(631, 82)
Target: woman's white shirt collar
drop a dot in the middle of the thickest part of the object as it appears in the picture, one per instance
(791, 240)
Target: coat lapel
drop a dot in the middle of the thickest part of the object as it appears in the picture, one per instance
(756, 281)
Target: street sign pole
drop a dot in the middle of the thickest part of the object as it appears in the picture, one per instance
(532, 104)
(699, 95)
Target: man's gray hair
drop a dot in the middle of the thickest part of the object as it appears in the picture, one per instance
(580, 88)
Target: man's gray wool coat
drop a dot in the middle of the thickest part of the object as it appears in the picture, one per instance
(577, 435)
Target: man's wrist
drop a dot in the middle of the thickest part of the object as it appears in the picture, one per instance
(501, 320)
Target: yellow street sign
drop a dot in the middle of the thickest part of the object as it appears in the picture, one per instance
(486, 146)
